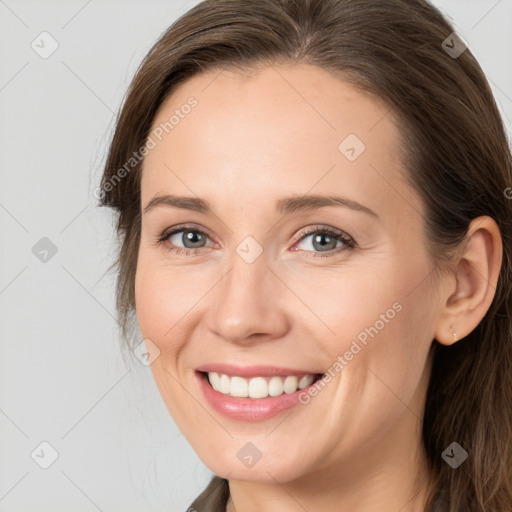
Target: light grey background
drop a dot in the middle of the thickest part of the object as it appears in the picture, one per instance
(63, 379)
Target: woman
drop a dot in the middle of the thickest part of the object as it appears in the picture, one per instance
(316, 247)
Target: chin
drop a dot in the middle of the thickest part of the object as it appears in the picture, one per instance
(241, 460)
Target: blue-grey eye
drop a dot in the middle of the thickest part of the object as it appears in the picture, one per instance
(320, 242)
(190, 238)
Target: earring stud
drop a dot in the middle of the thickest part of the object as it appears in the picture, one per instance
(454, 335)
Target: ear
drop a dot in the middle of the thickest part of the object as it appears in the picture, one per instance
(471, 285)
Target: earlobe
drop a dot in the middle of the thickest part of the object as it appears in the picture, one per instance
(476, 276)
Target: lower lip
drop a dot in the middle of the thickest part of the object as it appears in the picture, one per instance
(248, 409)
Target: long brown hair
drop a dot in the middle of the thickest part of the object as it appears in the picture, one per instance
(458, 159)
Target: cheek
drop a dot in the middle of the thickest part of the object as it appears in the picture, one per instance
(164, 292)
(148, 301)
(349, 305)
(396, 345)
(161, 310)
(378, 322)
(160, 304)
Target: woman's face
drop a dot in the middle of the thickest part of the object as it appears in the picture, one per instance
(298, 252)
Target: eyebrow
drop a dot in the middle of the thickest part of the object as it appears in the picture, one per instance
(285, 206)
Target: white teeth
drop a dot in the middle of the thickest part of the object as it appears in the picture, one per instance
(306, 381)
(225, 384)
(290, 384)
(275, 386)
(258, 387)
(214, 380)
(239, 387)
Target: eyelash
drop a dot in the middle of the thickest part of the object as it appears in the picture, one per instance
(348, 241)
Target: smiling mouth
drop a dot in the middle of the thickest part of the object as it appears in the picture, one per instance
(258, 387)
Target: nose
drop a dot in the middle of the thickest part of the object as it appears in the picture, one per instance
(248, 303)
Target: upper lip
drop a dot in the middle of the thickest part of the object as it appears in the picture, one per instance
(253, 371)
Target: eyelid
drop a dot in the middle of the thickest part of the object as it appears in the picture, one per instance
(322, 228)
(183, 227)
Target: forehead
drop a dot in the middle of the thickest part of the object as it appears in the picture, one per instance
(294, 128)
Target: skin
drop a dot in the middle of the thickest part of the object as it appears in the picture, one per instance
(254, 138)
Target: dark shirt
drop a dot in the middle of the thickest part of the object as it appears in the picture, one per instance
(214, 498)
